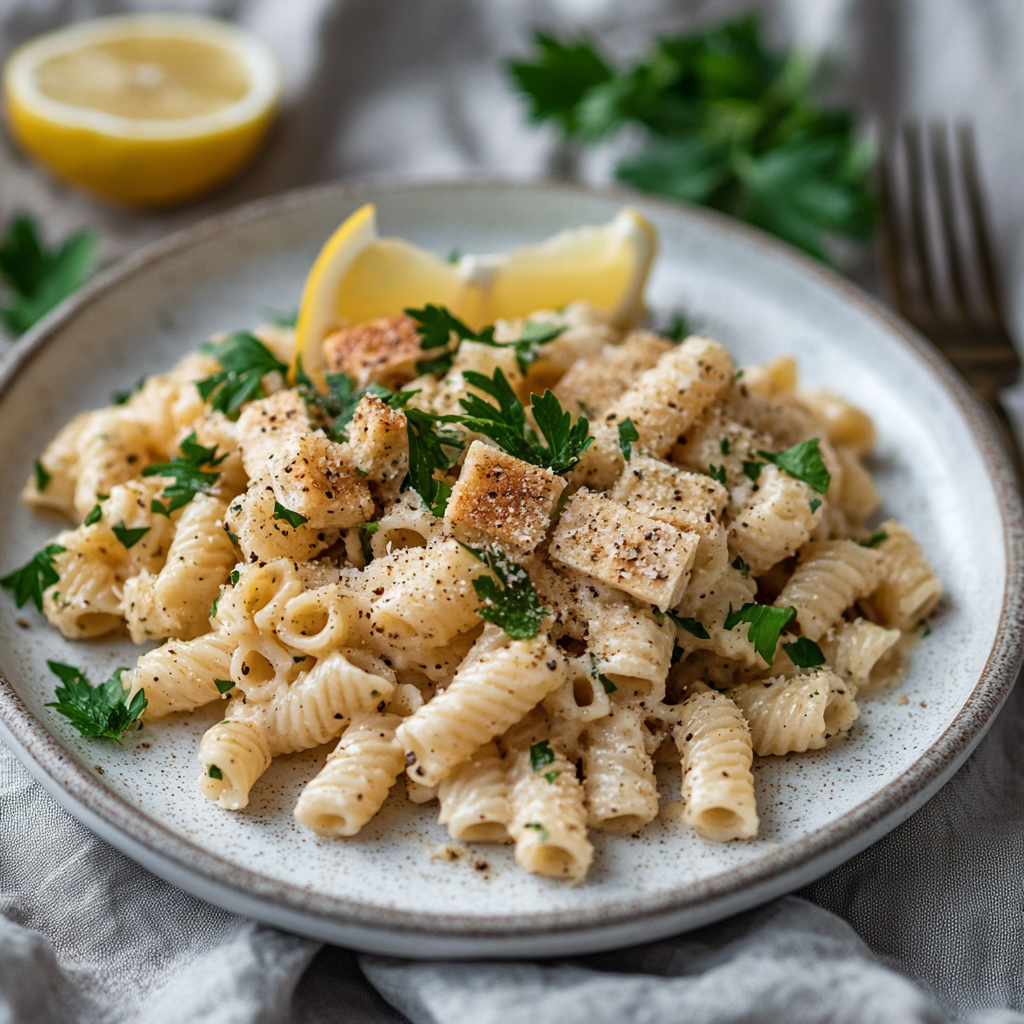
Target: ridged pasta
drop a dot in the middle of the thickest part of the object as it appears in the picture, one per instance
(829, 577)
(86, 600)
(909, 590)
(234, 755)
(718, 788)
(865, 653)
(794, 715)
(621, 794)
(475, 798)
(182, 675)
(351, 788)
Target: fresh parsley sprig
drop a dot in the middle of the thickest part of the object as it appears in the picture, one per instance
(628, 436)
(293, 519)
(185, 469)
(510, 601)
(766, 625)
(101, 711)
(802, 461)
(805, 653)
(244, 360)
(691, 626)
(38, 277)
(38, 573)
(729, 124)
(431, 449)
(506, 425)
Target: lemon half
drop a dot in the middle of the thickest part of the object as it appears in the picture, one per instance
(143, 109)
(359, 276)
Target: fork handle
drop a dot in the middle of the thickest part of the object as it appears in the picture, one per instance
(1004, 427)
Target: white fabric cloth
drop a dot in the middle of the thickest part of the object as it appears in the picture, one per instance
(927, 925)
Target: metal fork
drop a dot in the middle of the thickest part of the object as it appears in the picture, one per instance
(938, 258)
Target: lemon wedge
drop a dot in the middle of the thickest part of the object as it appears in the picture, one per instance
(359, 276)
(142, 109)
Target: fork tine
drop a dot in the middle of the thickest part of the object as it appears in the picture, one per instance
(979, 226)
(891, 226)
(950, 237)
(918, 225)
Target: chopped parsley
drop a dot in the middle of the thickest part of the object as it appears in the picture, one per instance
(814, 504)
(921, 624)
(677, 329)
(366, 531)
(94, 516)
(551, 776)
(805, 653)
(295, 519)
(38, 573)
(766, 625)
(740, 566)
(609, 686)
(234, 576)
(436, 325)
(506, 425)
(298, 658)
(100, 711)
(803, 461)
(223, 685)
(690, 625)
(244, 360)
(717, 473)
(213, 607)
(874, 540)
(127, 536)
(43, 477)
(185, 469)
(541, 754)
(627, 436)
(431, 449)
(538, 827)
(753, 469)
(214, 772)
(724, 445)
(514, 605)
(678, 653)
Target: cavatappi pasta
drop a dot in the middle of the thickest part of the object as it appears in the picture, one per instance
(522, 611)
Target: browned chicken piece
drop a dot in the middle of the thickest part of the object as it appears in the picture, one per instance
(382, 351)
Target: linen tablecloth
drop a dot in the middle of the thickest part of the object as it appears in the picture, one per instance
(927, 925)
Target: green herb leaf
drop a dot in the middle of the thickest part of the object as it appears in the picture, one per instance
(431, 449)
(742, 567)
(234, 577)
(436, 325)
(541, 754)
(717, 473)
(214, 772)
(803, 461)
(677, 329)
(805, 653)
(814, 504)
(43, 478)
(551, 776)
(295, 519)
(537, 826)
(129, 537)
(302, 657)
(677, 653)
(566, 441)
(185, 469)
(535, 334)
(753, 469)
(511, 601)
(100, 711)
(244, 360)
(690, 625)
(38, 277)
(627, 436)
(366, 531)
(454, 255)
(766, 625)
(38, 573)
(609, 686)
(724, 445)
(94, 516)
(874, 540)
(223, 685)
(921, 624)
(213, 607)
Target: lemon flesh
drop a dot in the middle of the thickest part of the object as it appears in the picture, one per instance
(359, 276)
(142, 109)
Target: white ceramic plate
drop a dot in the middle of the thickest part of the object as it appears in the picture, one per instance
(937, 463)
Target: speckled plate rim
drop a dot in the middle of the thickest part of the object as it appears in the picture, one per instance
(645, 918)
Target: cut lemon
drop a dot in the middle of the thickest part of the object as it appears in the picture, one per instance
(359, 276)
(143, 109)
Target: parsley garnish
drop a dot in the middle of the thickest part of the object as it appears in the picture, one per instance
(366, 531)
(506, 424)
(627, 435)
(244, 359)
(923, 624)
(514, 606)
(234, 576)
(690, 625)
(805, 653)
(43, 478)
(742, 567)
(814, 504)
(99, 711)
(874, 540)
(214, 772)
(38, 277)
(802, 461)
(38, 573)
(724, 445)
(541, 754)
(295, 519)
(766, 625)
(223, 685)
(551, 776)
(677, 653)
(427, 454)
(753, 469)
(609, 686)
(127, 536)
(436, 325)
(189, 478)
(717, 473)
(677, 329)
(213, 607)
(302, 657)
(536, 825)
(728, 123)
(94, 516)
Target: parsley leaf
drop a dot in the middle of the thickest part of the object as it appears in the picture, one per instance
(295, 519)
(742, 567)
(717, 473)
(43, 477)
(514, 606)
(366, 531)
(506, 424)
(223, 685)
(551, 776)
(803, 461)
(805, 653)
(214, 772)
(436, 325)
(690, 625)
(99, 711)
(39, 278)
(38, 573)
(186, 471)
(766, 625)
(427, 454)
(874, 540)
(127, 536)
(284, 319)
(724, 121)
(541, 754)
(609, 686)
(923, 624)
(627, 436)
(753, 469)
(814, 504)
(244, 359)
(677, 329)
(537, 826)
(94, 516)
